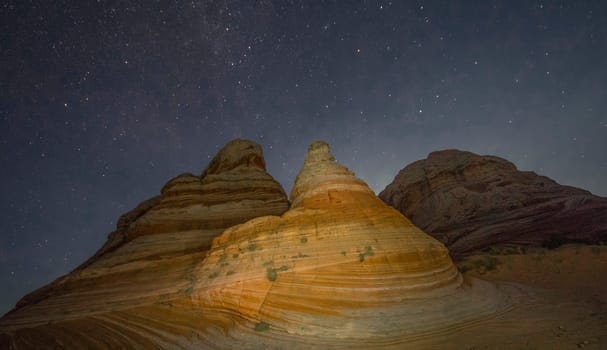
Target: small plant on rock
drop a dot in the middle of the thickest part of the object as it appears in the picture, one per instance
(368, 252)
(262, 327)
(271, 274)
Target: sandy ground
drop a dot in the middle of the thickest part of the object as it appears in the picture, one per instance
(563, 306)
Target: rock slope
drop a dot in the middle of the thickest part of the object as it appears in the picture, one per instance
(339, 269)
(151, 256)
(471, 202)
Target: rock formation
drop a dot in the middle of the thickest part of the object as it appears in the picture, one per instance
(339, 269)
(150, 257)
(471, 202)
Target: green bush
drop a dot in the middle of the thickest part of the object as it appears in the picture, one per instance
(368, 252)
(271, 274)
(262, 327)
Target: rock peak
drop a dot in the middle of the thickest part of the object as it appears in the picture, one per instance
(319, 151)
(237, 153)
(321, 174)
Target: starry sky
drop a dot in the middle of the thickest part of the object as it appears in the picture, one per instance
(101, 102)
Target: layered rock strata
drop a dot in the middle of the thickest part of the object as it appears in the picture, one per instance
(151, 256)
(471, 202)
(339, 269)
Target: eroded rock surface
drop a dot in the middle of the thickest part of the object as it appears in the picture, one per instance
(151, 256)
(339, 269)
(471, 202)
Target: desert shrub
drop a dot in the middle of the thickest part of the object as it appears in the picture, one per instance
(213, 275)
(488, 263)
(262, 327)
(303, 240)
(252, 247)
(368, 252)
(271, 274)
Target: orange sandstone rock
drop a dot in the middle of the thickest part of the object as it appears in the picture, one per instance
(151, 256)
(340, 269)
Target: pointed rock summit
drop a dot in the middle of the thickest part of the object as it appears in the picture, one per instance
(322, 174)
(471, 202)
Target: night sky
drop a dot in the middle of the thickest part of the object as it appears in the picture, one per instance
(102, 102)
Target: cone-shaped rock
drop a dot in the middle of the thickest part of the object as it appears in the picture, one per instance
(340, 268)
(147, 262)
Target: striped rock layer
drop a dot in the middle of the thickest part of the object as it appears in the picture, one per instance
(149, 259)
(339, 269)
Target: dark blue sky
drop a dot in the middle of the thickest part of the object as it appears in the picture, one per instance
(101, 102)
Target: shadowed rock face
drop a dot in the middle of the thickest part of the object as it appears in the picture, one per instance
(151, 255)
(470, 202)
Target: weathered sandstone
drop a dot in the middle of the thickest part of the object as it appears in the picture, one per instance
(150, 257)
(471, 202)
(339, 269)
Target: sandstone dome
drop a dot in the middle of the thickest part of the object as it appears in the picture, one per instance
(339, 269)
(472, 202)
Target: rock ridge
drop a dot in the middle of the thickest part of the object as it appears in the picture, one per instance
(150, 257)
(471, 202)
